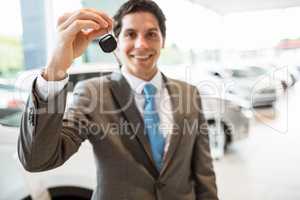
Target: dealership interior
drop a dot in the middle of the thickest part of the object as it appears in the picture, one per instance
(243, 56)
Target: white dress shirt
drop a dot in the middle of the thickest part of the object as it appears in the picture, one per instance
(47, 89)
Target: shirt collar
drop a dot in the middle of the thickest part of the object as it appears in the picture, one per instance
(138, 84)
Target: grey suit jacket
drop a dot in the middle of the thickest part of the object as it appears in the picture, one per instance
(104, 112)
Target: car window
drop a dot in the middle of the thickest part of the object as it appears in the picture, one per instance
(75, 78)
(248, 72)
(256, 71)
(10, 117)
(11, 114)
(6, 87)
(12, 102)
(240, 73)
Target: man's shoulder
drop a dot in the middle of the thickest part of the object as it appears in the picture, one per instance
(102, 79)
(180, 83)
(103, 82)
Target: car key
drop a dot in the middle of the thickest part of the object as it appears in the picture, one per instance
(108, 44)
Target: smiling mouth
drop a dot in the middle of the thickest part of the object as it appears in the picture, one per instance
(142, 57)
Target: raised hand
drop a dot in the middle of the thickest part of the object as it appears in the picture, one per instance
(75, 31)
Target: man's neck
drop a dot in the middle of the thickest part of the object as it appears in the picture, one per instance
(144, 75)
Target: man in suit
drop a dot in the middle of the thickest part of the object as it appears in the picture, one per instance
(160, 149)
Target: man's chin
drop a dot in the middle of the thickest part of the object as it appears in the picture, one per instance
(142, 68)
(143, 65)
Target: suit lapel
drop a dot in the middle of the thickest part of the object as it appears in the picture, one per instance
(125, 99)
(176, 95)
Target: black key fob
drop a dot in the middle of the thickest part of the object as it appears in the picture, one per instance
(108, 43)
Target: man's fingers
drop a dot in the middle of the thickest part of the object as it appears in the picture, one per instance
(79, 25)
(63, 18)
(108, 19)
(104, 15)
(84, 15)
(96, 33)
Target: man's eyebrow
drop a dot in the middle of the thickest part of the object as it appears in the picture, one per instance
(129, 30)
(133, 30)
(150, 29)
(153, 29)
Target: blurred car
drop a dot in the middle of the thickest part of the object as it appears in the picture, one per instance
(11, 97)
(229, 117)
(227, 121)
(253, 84)
(74, 180)
(13, 184)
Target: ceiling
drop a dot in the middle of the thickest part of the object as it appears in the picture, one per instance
(230, 6)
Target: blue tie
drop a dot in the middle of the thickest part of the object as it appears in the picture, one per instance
(151, 120)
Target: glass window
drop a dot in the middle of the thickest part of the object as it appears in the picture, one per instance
(11, 52)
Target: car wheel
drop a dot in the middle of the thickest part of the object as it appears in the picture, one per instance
(217, 138)
(70, 193)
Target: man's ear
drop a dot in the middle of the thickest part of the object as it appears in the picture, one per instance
(163, 44)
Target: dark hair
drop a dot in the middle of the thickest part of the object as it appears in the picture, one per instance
(133, 6)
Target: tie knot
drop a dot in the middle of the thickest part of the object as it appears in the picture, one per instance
(149, 90)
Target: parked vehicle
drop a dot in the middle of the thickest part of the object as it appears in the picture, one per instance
(74, 180)
(256, 85)
(228, 122)
(11, 97)
(229, 117)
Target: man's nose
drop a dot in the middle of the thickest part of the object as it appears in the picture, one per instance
(141, 42)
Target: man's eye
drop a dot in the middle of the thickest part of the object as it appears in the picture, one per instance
(152, 35)
(130, 35)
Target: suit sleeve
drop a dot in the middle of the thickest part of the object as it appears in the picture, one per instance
(47, 89)
(202, 165)
(49, 135)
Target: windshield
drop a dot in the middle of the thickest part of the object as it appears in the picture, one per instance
(75, 78)
(10, 117)
(11, 108)
(248, 72)
(12, 103)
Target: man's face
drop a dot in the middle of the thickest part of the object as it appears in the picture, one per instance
(139, 43)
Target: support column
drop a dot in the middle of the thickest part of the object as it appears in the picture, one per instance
(34, 33)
